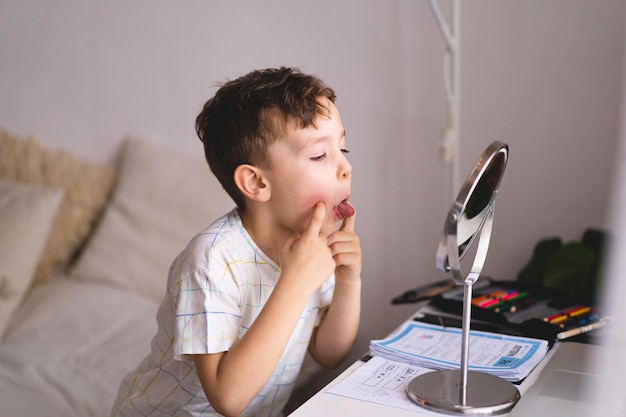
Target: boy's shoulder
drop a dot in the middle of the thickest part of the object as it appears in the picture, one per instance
(223, 242)
(223, 229)
(226, 237)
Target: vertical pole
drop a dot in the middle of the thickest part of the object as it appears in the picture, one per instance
(449, 145)
(467, 304)
(455, 68)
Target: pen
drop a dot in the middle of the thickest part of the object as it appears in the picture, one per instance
(583, 329)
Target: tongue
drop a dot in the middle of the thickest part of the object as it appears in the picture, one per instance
(344, 210)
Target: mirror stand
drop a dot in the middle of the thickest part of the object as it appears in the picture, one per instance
(462, 391)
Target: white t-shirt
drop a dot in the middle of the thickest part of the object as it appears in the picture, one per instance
(216, 288)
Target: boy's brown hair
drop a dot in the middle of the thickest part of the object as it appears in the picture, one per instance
(247, 114)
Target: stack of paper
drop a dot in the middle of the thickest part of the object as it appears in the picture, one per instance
(435, 347)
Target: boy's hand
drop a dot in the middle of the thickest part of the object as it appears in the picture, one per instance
(346, 250)
(306, 259)
(333, 338)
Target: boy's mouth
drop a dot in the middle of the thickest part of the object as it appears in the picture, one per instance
(344, 210)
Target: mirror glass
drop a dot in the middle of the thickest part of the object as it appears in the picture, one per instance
(473, 209)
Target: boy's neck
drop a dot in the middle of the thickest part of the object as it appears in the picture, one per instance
(263, 233)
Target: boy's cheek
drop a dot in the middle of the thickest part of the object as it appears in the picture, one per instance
(331, 223)
(308, 206)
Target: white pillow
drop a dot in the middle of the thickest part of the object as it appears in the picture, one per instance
(86, 186)
(162, 199)
(26, 216)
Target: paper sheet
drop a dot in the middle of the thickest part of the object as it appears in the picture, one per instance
(381, 381)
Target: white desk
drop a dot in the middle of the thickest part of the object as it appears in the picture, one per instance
(324, 404)
(534, 397)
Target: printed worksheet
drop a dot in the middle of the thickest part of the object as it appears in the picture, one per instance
(381, 381)
(436, 347)
(384, 381)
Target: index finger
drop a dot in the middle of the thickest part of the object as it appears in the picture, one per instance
(317, 220)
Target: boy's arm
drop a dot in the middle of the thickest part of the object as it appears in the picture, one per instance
(332, 340)
(231, 379)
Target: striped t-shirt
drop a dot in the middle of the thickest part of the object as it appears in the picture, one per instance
(216, 288)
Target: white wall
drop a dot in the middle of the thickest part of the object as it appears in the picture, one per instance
(609, 394)
(542, 76)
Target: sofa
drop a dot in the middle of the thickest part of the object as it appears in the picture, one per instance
(84, 252)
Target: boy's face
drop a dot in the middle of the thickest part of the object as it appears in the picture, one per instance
(308, 166)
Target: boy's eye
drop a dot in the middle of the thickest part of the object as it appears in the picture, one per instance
(323, 156)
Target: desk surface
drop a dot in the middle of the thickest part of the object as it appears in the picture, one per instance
(572, 360)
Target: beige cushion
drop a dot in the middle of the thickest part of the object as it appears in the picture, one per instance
(161, 200)
(86, 184)
(26, 216)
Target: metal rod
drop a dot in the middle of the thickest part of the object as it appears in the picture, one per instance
(465, 335)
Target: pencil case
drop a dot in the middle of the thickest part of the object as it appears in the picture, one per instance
(527, 310)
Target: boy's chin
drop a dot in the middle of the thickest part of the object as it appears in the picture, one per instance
(330, 227)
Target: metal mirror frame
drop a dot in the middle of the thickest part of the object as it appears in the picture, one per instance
(450, 252)
(449, 391)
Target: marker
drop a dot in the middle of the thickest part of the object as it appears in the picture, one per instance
(560, 317)
(564, 313)
(583, 329)
(520, 303)
(579, 321)
(506, 300)
(489, 303)
(487, 297)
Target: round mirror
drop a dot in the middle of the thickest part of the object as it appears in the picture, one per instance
(471, 215)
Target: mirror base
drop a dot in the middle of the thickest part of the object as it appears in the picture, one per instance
(440, 391)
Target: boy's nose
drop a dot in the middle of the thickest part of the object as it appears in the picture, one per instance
(345, 170)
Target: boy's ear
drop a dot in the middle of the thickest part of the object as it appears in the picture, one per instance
(252, 183)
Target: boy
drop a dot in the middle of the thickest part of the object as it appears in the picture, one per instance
(275, 276)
